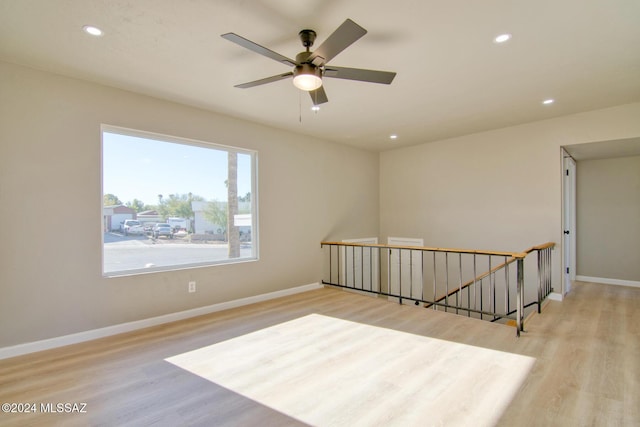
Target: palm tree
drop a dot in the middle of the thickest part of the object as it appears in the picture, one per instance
(233, 232)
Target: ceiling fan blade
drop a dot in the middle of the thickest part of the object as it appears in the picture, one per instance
(248, 44)
(318, 96)
(372, 76)
(265, 80)
(339, 40)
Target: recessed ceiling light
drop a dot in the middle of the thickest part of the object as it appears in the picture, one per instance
(502, 38)
(315, 108)
(393, 136)
(94, 31)
(548, 101)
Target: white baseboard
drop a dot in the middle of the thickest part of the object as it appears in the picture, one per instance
(32, 347)
(606, 281)
(555, 296)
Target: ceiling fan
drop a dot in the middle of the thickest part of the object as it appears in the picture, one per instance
(310, 67)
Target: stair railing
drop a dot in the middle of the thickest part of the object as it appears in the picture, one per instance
(442, 278)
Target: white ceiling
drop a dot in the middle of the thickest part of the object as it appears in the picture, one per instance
(452, 79)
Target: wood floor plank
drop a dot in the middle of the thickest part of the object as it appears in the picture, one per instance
(587, 368)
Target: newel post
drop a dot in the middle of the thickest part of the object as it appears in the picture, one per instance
(520, 296)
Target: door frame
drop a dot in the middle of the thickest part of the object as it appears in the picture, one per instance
(569, 181)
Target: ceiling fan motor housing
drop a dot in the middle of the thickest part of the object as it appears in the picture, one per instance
(303, 57)
(307, 37)
(307, 68)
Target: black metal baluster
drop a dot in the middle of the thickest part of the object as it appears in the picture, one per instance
(435, 286)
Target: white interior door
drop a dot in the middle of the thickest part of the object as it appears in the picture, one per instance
(569, 222)
(360, 266)
(405, 269)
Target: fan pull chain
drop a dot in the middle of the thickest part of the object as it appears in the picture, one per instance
(300, 105)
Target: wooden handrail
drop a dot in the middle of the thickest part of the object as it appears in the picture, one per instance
(540, 247)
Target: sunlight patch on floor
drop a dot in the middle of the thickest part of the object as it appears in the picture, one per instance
(328, 371)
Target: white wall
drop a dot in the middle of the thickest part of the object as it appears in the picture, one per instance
(497, 190)
(50, 280)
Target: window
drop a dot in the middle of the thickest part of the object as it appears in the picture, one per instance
(171, 203)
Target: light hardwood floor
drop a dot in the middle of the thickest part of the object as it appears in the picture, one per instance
(586, 370)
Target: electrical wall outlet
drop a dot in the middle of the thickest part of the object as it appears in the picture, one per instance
(192, 286)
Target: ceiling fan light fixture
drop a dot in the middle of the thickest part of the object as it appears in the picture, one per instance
(307, 77)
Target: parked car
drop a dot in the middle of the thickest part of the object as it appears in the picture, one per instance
(162, 229)
(132, 226)
(178, 224)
